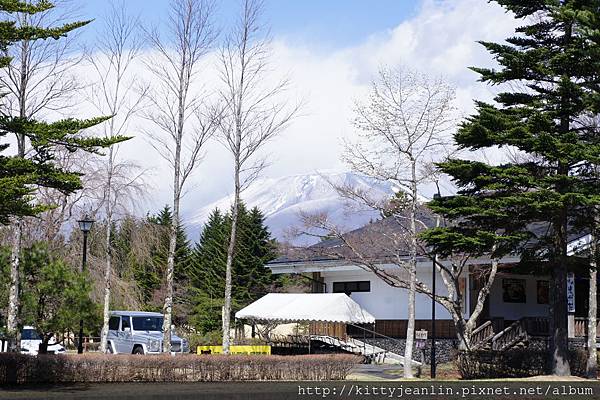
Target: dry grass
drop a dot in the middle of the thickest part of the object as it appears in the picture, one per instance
(19, 368)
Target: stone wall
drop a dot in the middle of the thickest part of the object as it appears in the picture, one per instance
(445, 349)
(538, 343)
(543, 343)
(577, 343)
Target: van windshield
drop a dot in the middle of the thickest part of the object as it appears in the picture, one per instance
(30, 334)
(147, 323)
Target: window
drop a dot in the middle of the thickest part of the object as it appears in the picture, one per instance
(147, 323)
(351, 287)
(113, 323)
(513, 291)
(30, 334)
(125, 323)
(543, 292)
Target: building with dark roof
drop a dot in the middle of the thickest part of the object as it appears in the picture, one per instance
(517, 294)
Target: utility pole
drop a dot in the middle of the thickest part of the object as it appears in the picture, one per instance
(85, 224)
(433, 280)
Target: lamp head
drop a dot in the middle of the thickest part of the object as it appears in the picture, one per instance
(85, 224)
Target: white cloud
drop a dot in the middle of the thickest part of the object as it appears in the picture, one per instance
(439, 39)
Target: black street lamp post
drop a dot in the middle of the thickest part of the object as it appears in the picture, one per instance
(433, 279)
(85, 224)
(433, 366)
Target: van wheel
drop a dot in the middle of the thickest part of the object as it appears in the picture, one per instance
(138, 350)
(109, 349)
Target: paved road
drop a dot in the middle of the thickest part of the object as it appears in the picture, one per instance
(145, 391)
(202, 390)
(470, 390)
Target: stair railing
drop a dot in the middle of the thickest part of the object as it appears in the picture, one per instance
(379, 335)
(510, 336)
(482, 335)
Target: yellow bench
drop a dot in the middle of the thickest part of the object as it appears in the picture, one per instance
(234, 350)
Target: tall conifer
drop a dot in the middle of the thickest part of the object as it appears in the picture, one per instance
(24, 169)
(550, 72)
(251, 278)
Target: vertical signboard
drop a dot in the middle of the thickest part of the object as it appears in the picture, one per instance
(570, 292)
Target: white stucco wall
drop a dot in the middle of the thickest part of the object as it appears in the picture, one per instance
(514, 311)
(387, 302)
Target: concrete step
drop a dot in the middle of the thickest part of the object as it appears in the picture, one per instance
(366, 349)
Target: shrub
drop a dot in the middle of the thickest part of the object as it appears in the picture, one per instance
(578, 361)
(513, 363)
(206, 339)
(22, 369)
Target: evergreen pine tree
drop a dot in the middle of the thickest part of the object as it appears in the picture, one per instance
(55, 296)
(142, 270)
(260, 250)
(151, 275)
(164, 219)
(251, 279)
(207, 274)
(20, 175)
(27, 169)
(553, 63)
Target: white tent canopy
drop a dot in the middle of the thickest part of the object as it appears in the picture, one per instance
(298, 307)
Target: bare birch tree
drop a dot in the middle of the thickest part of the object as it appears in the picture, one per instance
(252, 114)
(176, 137)
(116, 93)
(403, 126)
(39, 79)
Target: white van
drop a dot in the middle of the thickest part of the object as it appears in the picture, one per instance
(139, 332)
(30, 343)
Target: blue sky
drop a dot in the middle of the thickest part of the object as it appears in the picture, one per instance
(323, 23)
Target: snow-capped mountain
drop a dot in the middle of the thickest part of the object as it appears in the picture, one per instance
(283, 199)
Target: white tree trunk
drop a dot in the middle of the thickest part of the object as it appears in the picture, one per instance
(454, 304)
(168, 304)
(106, 307)
(412, 287)
(463, 334)
(410, 327)
(12, 320)
(592, 360)
(108, 244)
(481, 297)
(229, 264)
